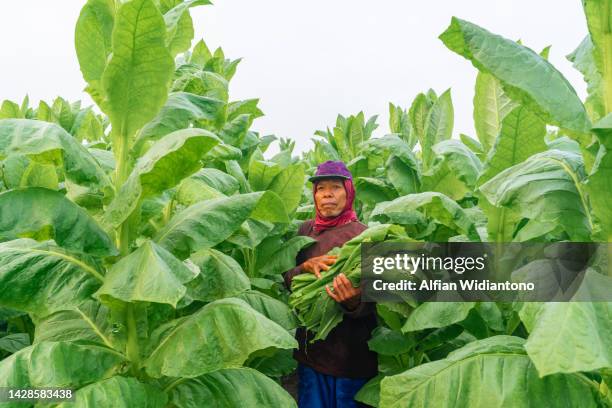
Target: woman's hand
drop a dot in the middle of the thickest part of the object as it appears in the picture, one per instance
(344, 292)
(318, 263)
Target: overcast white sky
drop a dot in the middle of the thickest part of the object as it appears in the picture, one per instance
(307, 61)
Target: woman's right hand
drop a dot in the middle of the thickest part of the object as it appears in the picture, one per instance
(318, 263)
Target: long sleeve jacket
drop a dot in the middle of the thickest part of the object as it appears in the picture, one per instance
(345, 352)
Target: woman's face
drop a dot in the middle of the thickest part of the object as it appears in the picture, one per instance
(330, 197)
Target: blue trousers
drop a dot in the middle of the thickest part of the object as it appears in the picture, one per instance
(317, 390)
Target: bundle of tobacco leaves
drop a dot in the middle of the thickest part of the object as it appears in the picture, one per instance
(315, 309)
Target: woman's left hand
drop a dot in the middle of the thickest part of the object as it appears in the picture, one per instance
(344, 292)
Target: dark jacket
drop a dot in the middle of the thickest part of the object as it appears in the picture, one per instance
(344, 353)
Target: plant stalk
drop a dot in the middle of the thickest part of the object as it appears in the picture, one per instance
(122, 156)
(121, 174)
(133, 350)
(167, 213)
(249, 261)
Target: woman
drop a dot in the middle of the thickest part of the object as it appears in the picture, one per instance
(331, 371)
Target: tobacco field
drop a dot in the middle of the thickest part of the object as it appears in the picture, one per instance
(142, 240)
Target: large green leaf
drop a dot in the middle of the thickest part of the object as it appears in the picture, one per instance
(14, 342)
(354, 132)
(389, 342)
(494, 372)
(92, 39)
(191, 78)
(105, 158)
(373, 190)
(323, 151)
(473, 144)
(180, 110)
(370, 393)
(418, 113)
(455, 170)
(244, 107)
(338, 138)
(118, 392)
(46, 113)
(273, 363)
(411, 208)
(390, 145)
(547, 189)
(584, 61)
(191, 190)
(283, 157)
(230, 388)
(214, 338)
(10, 110)
(599, 183)
(220, 276)
(521, 135)
(223, 152)
(19, 171)
(359, 131)
(437, 314)
(49, 143)
(599, 16)
(208, 223)
(402, 167)
(251, 233)
(218, 180)
(448, 337)
(44, 214)
(273, 309)
(8, 313)
(492, 315)
(235, 130)
(527, 312)
(403, 175)
(180, 26)
(87, 126)
(163, 166)
(89, 321)
(64, 112)
(438, 127)
(261, 173)
(491, 105)
(524, 75)
(137, 77)
(58, 364)
(41, 278)
(149, 274)
(288, 184)
(221, 65)
(399, 124)
(572, 336)
(275, 257)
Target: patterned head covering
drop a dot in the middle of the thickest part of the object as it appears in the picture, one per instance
(327, 170)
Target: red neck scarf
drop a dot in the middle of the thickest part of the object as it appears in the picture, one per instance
(347, 215)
